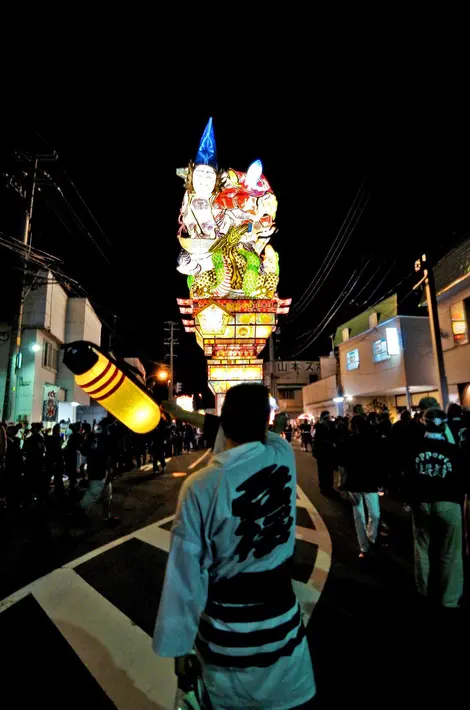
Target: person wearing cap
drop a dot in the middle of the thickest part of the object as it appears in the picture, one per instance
(435, 487)
(426, 403)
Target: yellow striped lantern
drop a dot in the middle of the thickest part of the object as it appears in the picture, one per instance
(112, 385)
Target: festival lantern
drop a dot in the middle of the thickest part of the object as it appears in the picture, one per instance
(112, 385)
(226, 221)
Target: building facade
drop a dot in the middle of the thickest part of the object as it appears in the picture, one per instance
(383, 360)
(286, 379)
(45, 388)
(452, 277)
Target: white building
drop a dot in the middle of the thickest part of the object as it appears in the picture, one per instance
(51, 318)
(384, 360)
(286, 381)
(452, 277)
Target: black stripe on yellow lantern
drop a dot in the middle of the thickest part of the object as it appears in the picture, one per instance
(112, 385)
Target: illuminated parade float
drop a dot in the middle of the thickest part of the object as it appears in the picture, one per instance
(226, 222)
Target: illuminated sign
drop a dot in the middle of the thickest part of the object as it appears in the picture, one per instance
(352, 359)
(380, 350)
(393, 341)
(242, 373)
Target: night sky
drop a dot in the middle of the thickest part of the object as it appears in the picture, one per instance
(316, 150)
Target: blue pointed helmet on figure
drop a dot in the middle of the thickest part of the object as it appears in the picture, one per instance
(204, 172)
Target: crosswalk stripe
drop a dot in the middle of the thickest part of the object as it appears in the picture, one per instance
(116, 651)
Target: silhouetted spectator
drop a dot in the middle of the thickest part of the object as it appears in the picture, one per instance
(72, 454)
(324, 450)
(33, 452)
(362, 457)
(54, 459)
(435, 485)
(13, 469)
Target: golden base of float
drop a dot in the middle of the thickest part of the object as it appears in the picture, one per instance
(232, 332)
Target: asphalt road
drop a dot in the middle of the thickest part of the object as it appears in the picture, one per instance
(371, 640)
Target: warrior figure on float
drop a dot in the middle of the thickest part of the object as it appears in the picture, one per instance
(226, 220)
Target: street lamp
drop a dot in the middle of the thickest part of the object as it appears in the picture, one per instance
(161, 375)
(35, 348)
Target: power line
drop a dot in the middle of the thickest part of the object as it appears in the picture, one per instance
(337, 239)
(82, 226)
(381, 282)
(325, 276)
(86, 207)
(334, 252)
(82, 200)
(323, 324)
(364, 287)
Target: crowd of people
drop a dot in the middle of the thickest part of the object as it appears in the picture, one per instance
(77, 462)
(423, 460)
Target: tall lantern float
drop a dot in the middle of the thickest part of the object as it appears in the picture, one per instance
(225, 225)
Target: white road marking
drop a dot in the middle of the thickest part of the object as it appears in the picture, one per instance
(201, 458)
(309, 593)
(116, 651)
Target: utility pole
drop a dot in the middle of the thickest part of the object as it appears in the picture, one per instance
(12, 374)
(9, 401)
(421, 267)
(171, 327)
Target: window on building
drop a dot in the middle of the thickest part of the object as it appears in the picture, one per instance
(380, 350)
(50, 356)
(286, 394)
(352, 359)
(459, 323)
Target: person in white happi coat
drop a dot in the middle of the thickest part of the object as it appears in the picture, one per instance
(228, 589)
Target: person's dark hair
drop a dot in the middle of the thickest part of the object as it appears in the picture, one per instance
(359, 425)
(245, 413)
(454, 411)
(435, 420)
(324, 414)
(405, 416)
(428, 403)
(373, 418)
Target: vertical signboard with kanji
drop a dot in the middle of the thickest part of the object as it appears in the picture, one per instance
(50, 407)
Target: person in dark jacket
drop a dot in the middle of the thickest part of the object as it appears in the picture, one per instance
(435, 486)
(159, 436)
(33, 451)
(54, 460)
(324, 450)
(305, 436)
(98, 463)
(13, 468)
(455, 420)
(74, 447)
(362, 456)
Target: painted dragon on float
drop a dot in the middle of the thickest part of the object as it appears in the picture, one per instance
(225, 223)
